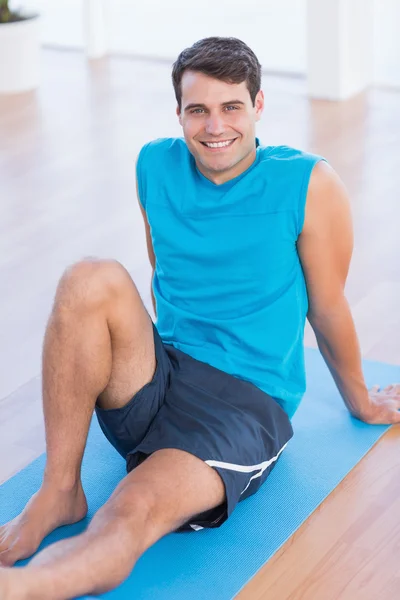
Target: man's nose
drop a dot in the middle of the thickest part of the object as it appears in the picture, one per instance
(214, 125)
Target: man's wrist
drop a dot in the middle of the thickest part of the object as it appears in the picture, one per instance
(361, 410)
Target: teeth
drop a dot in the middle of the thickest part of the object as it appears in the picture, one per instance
(218, 144)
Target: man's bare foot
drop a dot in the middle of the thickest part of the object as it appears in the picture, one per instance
(48, 509)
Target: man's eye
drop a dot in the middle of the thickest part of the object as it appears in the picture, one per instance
(231, 107)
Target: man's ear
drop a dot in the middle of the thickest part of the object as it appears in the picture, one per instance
(178, 112)
(259, 104)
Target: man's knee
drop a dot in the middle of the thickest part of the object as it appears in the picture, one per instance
(91, 283)
(170, 487)
(135, 507)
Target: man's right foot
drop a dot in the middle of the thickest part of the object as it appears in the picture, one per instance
(48, 509)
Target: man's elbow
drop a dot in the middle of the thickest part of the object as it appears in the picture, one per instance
(328, 311)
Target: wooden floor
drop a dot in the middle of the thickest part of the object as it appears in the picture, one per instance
(67, 190)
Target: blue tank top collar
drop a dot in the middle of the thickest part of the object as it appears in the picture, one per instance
(224, 187)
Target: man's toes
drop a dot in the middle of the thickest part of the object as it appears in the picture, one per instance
(5, 536)
(4, 545)
(2, 538)
(16, 549)
(7, 558)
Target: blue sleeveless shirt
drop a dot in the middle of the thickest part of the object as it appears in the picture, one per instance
(228, 282)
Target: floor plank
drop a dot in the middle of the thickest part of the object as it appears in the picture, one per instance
(348, 549)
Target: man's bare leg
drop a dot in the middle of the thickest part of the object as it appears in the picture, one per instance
(98, 345)
(154, 499)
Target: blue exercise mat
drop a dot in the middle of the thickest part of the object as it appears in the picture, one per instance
(217, 564)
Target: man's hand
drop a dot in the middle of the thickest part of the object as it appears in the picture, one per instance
(385, 406)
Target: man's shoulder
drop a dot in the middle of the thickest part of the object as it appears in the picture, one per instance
(285, 154)
(287, 164)
(160, 155)
(164, 145)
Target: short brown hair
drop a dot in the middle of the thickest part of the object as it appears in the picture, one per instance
(225, 58)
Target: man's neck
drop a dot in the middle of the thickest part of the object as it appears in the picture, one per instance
(220, 177)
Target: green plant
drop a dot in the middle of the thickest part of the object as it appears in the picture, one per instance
(5, 13)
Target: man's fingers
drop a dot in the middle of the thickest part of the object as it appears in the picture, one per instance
(394, 387)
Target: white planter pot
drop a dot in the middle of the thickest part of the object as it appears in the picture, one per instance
(19, 52)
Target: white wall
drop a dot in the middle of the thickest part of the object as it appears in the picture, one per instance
(386, 64)
(162, 28)
(275, 29)
(61, 21)
(339, 47)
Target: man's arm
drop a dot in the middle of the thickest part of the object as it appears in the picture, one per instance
(325, 248)
(150, 250)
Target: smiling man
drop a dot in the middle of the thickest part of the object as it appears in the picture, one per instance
(246, 241)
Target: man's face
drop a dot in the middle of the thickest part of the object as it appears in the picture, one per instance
(218, 121)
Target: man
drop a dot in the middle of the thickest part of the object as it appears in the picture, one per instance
(245, 242)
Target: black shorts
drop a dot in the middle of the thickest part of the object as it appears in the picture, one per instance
(228, 423)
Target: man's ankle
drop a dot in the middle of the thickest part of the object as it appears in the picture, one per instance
(67, 483)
